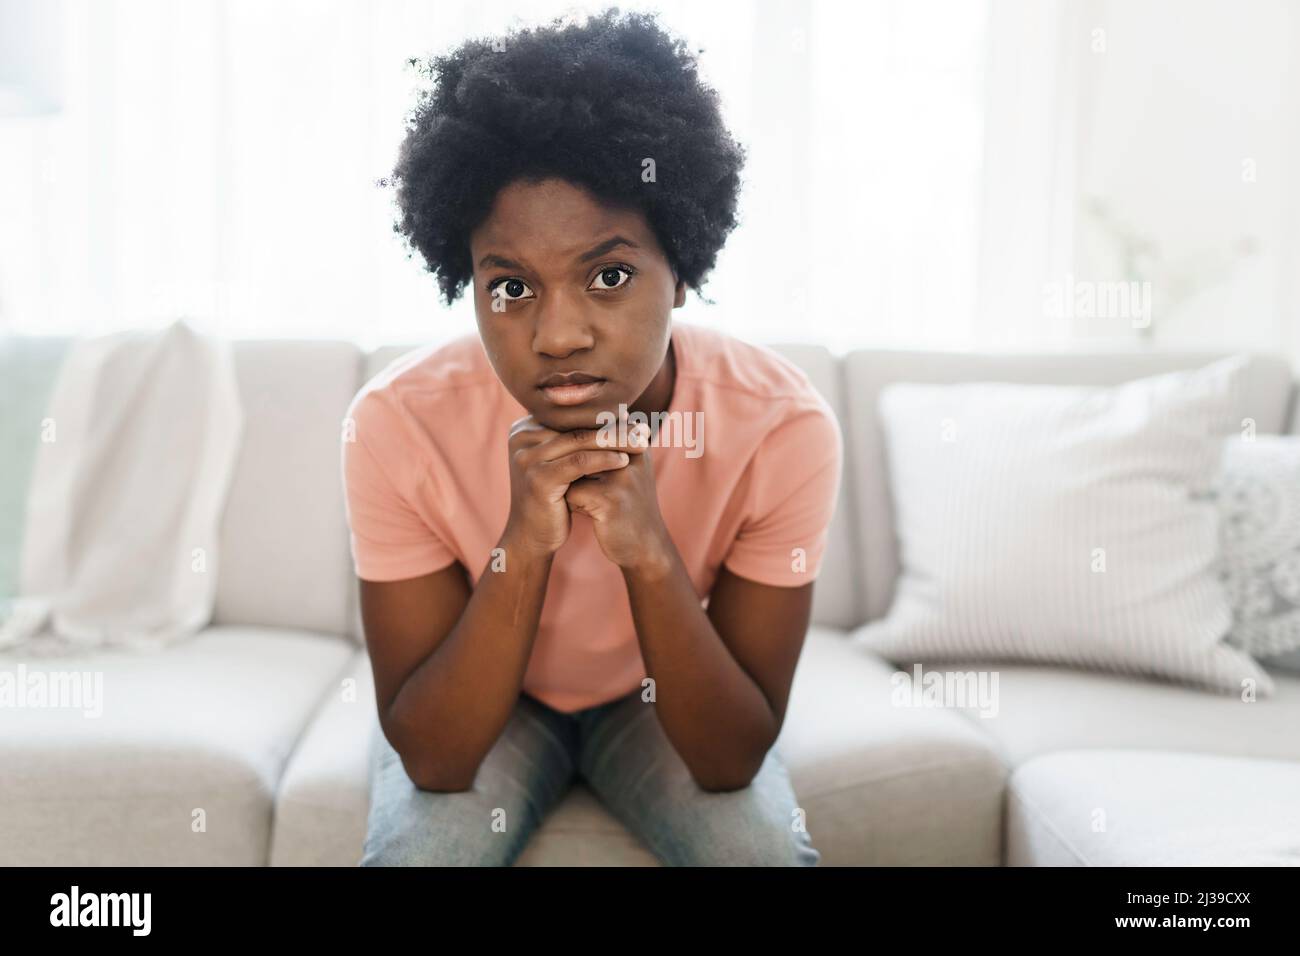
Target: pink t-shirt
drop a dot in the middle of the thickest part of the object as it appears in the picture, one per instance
(747, 477)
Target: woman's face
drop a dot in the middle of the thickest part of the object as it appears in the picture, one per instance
(563, 283)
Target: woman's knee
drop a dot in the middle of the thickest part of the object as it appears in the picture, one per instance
(747, 843)
(484, 825)
(525, 772)
(416, 827)
(758, 825)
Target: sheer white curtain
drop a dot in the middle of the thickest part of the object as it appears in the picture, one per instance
(1029, 181)
(218, 159)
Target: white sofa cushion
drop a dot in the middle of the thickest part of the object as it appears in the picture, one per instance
(886, 785)
(1041, 709)
(1064, 524)
(1144, 808)
(835, 594)
(208, 724)
(284, 541)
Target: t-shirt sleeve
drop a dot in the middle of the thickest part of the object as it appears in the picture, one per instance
(389, 540)
(794, 484)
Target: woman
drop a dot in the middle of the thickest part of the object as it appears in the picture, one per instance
(534, 581)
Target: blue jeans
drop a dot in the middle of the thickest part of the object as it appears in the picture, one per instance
(621, 752)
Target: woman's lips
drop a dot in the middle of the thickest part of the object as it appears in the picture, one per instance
(573, 394)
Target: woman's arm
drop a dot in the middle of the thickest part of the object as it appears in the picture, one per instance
(449, 661)
(722, 678)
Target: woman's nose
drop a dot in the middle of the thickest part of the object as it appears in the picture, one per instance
(562, 325)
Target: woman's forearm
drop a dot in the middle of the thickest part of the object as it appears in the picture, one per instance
(454, 705)
(712, 711)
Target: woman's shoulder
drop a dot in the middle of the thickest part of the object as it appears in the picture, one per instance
(747, 371)
(427, 373)
(440, 365)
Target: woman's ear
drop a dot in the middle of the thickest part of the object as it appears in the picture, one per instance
(679, 297)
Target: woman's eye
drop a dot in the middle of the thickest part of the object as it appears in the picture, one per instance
(609, 278)
(508, 290)
(514, 290)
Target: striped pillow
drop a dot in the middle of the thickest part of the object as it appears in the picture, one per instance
(1064, 524)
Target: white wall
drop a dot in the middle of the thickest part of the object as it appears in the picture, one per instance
(1189, 132)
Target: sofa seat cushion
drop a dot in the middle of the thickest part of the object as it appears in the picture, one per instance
(881, 784)
(1153, 808)
(205, 725)
(1042, 709)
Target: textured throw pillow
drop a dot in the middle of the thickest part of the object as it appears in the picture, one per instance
(1258, 493)
(1064, 524)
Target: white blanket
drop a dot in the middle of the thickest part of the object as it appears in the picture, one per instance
(137, 450)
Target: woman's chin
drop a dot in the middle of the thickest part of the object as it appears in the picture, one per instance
(571, 419)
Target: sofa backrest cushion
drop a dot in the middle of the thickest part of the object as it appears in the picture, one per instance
(284, 555)
(372, 363)
(1267, 399)
(834, 597)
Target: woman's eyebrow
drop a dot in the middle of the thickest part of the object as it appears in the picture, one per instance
(492, 259)
(605, 246)
(501, 262)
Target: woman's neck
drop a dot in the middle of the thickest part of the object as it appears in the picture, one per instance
(659, 393)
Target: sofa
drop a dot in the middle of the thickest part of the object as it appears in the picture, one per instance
(247, 743)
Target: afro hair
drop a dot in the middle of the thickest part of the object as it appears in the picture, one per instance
(587, 103)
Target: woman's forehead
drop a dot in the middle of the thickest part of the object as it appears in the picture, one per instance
(557, 219)
(555, 202)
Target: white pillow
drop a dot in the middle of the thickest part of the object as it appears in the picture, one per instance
(1064, 524)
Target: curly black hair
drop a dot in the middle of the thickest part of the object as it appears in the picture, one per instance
(587, 103)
